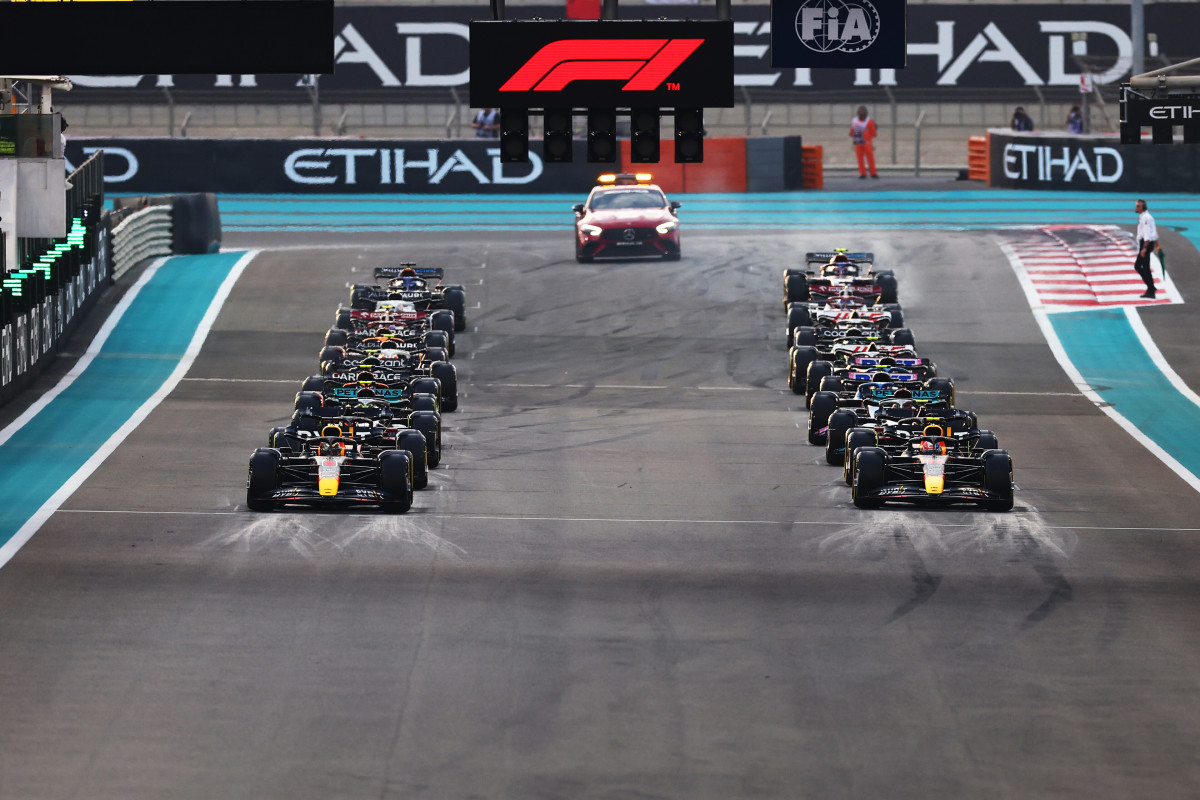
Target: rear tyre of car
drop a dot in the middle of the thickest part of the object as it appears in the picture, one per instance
(904, 336)
(456, 301)
(840, 422)
(360, 298)
(445, 372)
(429, 423)
(328, 354)
(804, 337)
(313, 383)
(798, 317)
(830, 383)
(869, 474)
(997, 478)
(987, 441)
(336, 337)
(309, 400)
(897, 315)
(423, 401)
(798, 360)
(343, 320)
(443, 320)
(436, 353)
(889, 287)
(822, 407)
(856, 438)
(413, 441)
(437, 339)
(943, 385)
(262, 479)
(395, 478)
(795, 288)
(817, 372)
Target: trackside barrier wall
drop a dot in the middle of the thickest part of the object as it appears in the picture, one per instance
(141, 235)
(1090, 163)
(409, 166)
(55, 282)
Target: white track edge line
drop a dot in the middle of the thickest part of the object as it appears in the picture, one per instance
(31, 526)
(1060, 354)
(88, 356)
(1139, 328)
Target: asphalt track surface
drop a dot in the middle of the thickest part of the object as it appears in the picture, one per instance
(633, 578)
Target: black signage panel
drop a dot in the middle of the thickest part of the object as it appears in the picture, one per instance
(1174, 110)
(602, 64)
(838, 33)
(1098, 163)
(194, 37)
(333, 166)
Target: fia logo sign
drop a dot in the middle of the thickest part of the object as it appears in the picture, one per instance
(827, 26)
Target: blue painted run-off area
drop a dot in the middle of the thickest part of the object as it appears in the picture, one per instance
(140, 354)
(1110, 357)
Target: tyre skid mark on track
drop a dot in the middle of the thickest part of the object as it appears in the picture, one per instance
(298, 532)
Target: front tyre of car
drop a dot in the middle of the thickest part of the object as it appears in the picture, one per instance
(395, 478)
(262, 479)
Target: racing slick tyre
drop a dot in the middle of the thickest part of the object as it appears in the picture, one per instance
(413, 441)
(456, 300)
(436, 353)
(897, 315)
(869, 474)
(987, 441)
(423, 401)
(439, 339)
(336, 337)
(395, 478)
(840, 422)
(823, 406)
(856, 438)
(273, 437)
(817, 372)
(445, 372)
(360, 298)
(313, 383)
(997, 478)
(330, 354)
(429, 423)
(798, 360)
(307, 400)
(798, 317)
(795, 288)
(889, 287)
(830, 383)
(903, 336)
(443, 320)
(944, 385)
(343, 320)
(262, 479)
(425, 386)
(804, 337)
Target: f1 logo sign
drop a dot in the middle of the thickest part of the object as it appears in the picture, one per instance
(644, 63)
(538, 64)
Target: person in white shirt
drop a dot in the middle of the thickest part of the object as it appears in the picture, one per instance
(1147, 236)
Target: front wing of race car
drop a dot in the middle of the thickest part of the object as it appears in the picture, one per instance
(346, 496)
(950, 495)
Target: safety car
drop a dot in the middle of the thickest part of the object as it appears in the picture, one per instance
(626, 215)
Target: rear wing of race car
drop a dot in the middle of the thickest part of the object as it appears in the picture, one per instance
(825, 257)
(885, 391)
(422, 272)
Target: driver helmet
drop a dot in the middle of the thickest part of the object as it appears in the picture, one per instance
(932, 448)
(364, 393)
(408, 272)
(366, 377)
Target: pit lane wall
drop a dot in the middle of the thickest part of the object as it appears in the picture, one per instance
(1089, 163)
(374, 166)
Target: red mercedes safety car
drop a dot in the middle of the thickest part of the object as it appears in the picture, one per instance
(626, 215)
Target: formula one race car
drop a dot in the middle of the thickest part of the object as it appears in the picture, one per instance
(839, 272)
(419, 286)
(372, 434)
(895, 424)
(933, 470)
(829, 376)
(847, 353)
(330, 472)
(626, 215)
(384, 343)
(401, 321)
(866, 400)
(840, 311)
(391, 373)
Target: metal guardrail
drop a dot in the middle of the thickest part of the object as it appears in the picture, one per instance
(141, 235)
